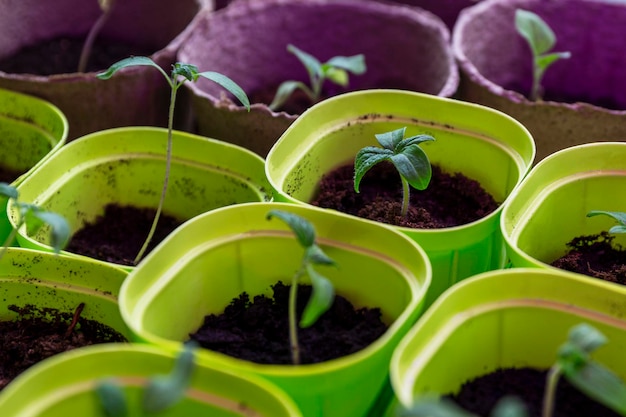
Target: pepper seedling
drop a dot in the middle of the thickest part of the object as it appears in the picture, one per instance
(405, 154)
(334, 70)
(160, 393)
(541, 40)
(180, 74)
(35, 218)
(106, 6)
(323, 293)
(573, 362)
(618, 216)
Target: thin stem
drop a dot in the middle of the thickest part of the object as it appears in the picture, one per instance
(91, 37)
(72, 325)
(293, 325)
(535, 93)
(168, 163)
(549, 392)
(406, 195)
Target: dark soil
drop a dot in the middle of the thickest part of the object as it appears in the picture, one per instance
(596, 256)
(39, 334)
(8, 175)
(61, 55)
(258, 331)
(480, 395)
(117, 236)
(450, 199)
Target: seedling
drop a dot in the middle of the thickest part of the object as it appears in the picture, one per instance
(334, 70)
(160, 393)
(619, 216)
(34, 218)
(180, 74)
(405, 154)
(573, 362)
(323, 292)
(106, 6)
(541, 40)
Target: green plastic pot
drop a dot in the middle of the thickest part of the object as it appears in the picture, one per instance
(482, 143)
(127, 166)
(549, 208)
(502, 319)
(192, 274)
(30, 130)
(64, 386)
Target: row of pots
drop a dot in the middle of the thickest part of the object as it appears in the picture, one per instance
(495, 149)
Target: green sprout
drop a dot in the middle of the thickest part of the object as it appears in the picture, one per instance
(334, 70)
(619, 216)
(541, 40)
(405, 154)
(323, 292)
(35, 218)
(107, 7)
(160, 393)
(573, 362)
(180, 74)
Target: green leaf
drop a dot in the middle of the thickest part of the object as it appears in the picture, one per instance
(365, 159)
(302, 228)
(188, 71)
(413, 140)
(601, 385)
(284, 91)
(59, 229)
(354, 64)
(544, 61)
(336, 75)
(390, 140)
(617, 229)
(509, 407)
(8, 191)
(163, 391)
(312, 64)
(586, 337)
(316, 255)
(435, 408)
(321, 298)
(132, 61)
(112, 399)
(619, 216)
(414, 166)
(535, 30)
(229, 85)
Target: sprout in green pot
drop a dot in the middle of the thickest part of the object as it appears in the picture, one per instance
(180, 74)
(35, 218)
(619, 216)
(573, 362)
(160, 393)
(323, 292)
(405, 154)
(334, 70)
(107, 7)
(541, 40)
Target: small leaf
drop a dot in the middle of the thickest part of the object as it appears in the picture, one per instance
(33, 222)
(389, 140)
(354, 64)
(112, 399)
(365, 159)
(312, 64)
(587, 338)
(316, 255)
(163, 391)
(229, 85)
(132, 61)
(601, 385)
(321, 298)
(59, 229)
(284, 91)
(336, 75)
(535, 30)
(8, 191)
(414, 166)
(617, 229)
(302, 228)
(509, 406)
(616, 215)
(413, 140)
(544, 61)
(435, 408)
(188, 71)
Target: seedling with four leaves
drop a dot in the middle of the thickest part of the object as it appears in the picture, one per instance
(180, 74)
(541, 40)
(573, 362)
(405, 154)
(334, 70)
(35, 218)
(323, 293)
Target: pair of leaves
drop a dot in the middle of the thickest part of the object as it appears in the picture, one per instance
(405, 154)
(323, 293)
(619, 216)
(335, 70)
